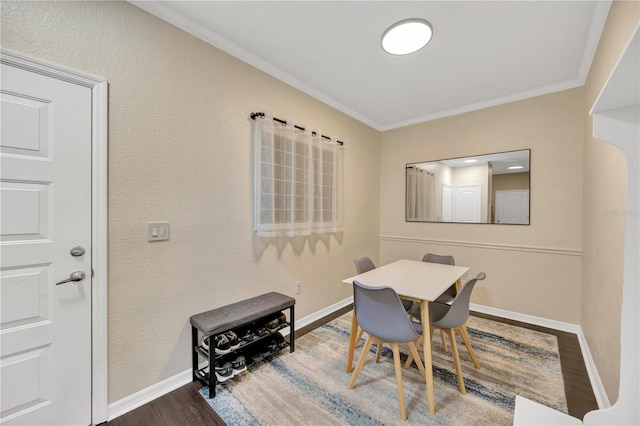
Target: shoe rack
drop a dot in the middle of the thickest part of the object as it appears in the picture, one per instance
(256, 328)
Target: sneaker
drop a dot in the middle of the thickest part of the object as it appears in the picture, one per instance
(261, 332)
(222, 344)
(234, 342)
(205, 343)
(265, 352)
(224, 372)
(273, 347)
(247, 337)
(256, 357)
(282, 319)
(239, 365)
(205, 373)
(279, 340)
(273, 324)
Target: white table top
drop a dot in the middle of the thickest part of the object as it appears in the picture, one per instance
(412, 278)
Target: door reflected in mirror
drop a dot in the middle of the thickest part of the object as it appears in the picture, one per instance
(489, 188)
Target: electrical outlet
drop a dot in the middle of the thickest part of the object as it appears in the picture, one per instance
(298, 287)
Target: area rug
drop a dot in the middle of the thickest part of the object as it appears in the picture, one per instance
(309, 386)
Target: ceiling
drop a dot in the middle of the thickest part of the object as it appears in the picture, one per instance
(483, 53)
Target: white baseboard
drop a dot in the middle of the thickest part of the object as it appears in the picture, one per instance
(529, 319)
(146, 395)
(309, 319)
(596, 383)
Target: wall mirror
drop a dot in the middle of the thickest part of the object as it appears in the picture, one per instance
(490, 188)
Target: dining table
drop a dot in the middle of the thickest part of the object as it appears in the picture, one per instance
(421, 282)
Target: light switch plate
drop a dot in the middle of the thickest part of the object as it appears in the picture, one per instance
(157, 231)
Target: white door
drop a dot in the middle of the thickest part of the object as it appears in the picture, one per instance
(512, 206)
(45, 196)
(466, 203)
(447, 203)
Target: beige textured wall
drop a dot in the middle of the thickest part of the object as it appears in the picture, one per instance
(532, 269)
(604, 203)
(180, 151)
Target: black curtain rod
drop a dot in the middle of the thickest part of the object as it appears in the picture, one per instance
(254, 115)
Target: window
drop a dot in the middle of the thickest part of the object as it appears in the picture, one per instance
(298, 180)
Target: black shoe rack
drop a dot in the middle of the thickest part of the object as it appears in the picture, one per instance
(246, 317)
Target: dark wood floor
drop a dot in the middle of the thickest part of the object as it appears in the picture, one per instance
(185, 406)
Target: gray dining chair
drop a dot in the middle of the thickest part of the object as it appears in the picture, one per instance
(452, 318)
(381, 314)
(450, 293)
(446, 297)
(365, 264)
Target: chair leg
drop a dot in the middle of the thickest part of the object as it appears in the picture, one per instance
(407, 364)
(398, 369)
(413, 350)
(444, 342)
(352, 342)
(465, 338)
(456, 360)
(359, 336)
(378, 352)
(363, 356)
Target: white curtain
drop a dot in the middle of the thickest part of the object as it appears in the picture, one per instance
(421, 194)
(299, 187)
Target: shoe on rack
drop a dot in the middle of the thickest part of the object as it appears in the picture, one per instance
(205, 372)
(222, 344)
(234, 342)
(256, 356)
(239, 365)
(273, 324)
(262, 331)
(224, 372)
(273, 347)
(248, 336)
(205, 343)
(265, 352)
(279, 339)
(282, 319)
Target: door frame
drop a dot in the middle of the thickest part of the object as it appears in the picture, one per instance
(99, 151)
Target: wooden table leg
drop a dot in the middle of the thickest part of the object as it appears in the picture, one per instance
(352, 341)
(426, 341)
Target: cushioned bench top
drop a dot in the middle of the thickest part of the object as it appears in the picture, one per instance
(240, 313)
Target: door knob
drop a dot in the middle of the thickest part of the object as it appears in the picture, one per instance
(75, 276)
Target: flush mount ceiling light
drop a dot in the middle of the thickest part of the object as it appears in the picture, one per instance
(407, 36)
(471, 160)
(515, 167)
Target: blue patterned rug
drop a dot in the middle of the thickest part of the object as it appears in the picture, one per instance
(309, 386)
